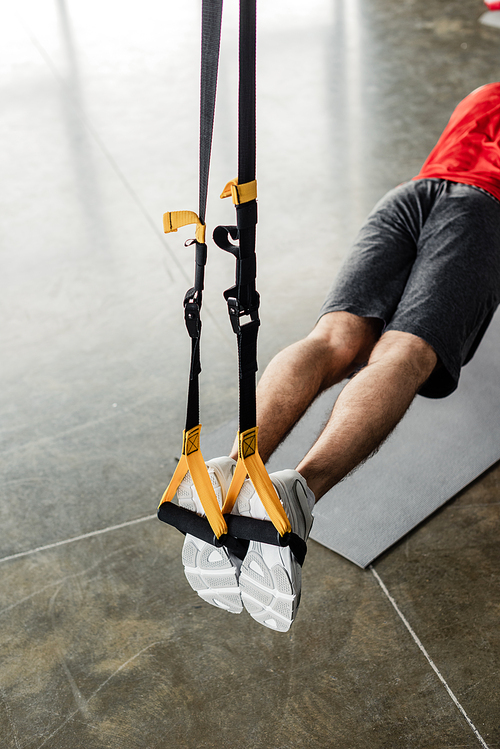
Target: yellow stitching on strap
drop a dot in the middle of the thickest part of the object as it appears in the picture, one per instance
(240, 193)
(250, 462)
(192, 461)
(173, 220)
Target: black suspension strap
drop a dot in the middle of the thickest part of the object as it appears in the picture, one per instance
(191, 458)
(243, 299)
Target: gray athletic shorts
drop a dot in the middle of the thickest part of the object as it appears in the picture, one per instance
(427, 262)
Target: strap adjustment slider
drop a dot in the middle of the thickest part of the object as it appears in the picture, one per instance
(235, 310)
(192, 314)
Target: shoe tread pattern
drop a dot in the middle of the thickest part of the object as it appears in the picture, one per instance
(270, 597)
(210, 573)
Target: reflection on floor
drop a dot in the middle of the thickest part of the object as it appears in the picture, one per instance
(103, 644)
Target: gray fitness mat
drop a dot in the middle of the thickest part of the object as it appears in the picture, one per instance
(439, 448)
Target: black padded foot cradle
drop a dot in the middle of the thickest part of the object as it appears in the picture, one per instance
(241, 530)
(189, 522)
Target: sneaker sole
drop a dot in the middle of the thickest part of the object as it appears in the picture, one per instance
(209, 570)
(270, 583)
(211, 573)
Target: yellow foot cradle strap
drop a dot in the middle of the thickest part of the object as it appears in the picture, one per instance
(192, 461)
(250, 463)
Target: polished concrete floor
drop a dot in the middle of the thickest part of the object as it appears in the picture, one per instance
(102, 642)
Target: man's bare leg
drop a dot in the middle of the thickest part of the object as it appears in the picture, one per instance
(335, 347)
(368, 409)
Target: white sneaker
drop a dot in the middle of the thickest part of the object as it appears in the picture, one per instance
(211, 571)
(270, 577)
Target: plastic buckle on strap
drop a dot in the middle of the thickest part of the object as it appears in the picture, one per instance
(192, 319)
(237, 311)
(234, 309)
(192, 307)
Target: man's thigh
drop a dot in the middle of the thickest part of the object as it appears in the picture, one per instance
(453, 287)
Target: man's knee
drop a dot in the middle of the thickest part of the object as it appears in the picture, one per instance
(348, 337)
(408, 351)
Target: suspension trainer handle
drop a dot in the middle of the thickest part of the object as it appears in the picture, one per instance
(191, 458)
(243, 299)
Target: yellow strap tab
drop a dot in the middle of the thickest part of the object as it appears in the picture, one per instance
(240, 193)
(227, 191)
(250, 462)
(192, 461)
(174, 220)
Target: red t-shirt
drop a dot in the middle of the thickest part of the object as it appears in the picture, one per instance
(468, 151)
